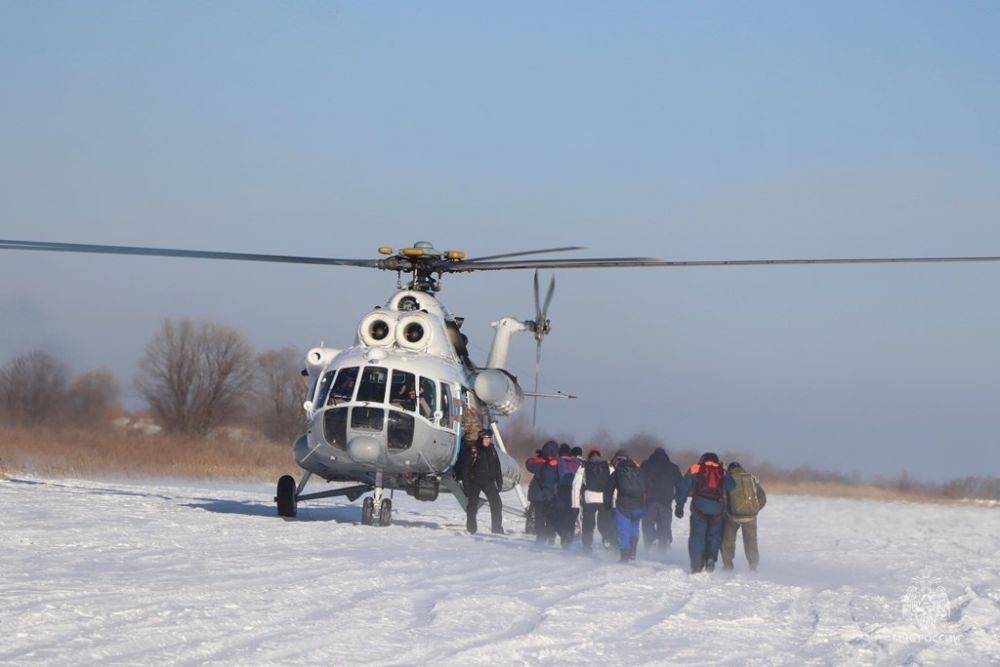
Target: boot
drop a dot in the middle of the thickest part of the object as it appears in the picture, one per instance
(710, 565)
(632, 546)
(624, 555)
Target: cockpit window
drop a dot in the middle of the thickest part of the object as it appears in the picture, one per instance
(372, 387)
(403, 390)
(324, 387)
(343, 386)
(366, 418)
(427, 400)
(445, 405)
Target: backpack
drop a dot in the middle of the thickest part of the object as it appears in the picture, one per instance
(544, 484)
(708, 482)
(567, 470)
(596, 475)
(630, 482)
(743, 499)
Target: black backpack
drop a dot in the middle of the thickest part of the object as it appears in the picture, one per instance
(630, 482)
(596, 475)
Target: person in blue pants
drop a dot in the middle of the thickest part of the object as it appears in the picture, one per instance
(706, 483)
(626, 492)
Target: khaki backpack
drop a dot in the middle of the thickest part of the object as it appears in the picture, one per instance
(744, 502)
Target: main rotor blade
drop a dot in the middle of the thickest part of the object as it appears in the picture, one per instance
(170, 252)
(526, 252)
(639, 262)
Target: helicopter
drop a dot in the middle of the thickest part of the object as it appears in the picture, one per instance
(390, 411)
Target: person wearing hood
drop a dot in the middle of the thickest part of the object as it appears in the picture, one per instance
(661, 476)
(588, 497)
(742, 505)
(570, 461)
(483, 474)
(626, 491)
(706, 483)
(543, 490)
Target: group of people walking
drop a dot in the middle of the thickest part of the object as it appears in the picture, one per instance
(624, 500)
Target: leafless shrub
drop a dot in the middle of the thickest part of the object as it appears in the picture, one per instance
(92, 399)
(193, 375)
(32, 387)
(280, 388)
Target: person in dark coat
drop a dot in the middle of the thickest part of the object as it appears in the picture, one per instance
(482, 474)
(543, 490)
(661, 476)
(707, 483)
(626, 491)
(566, 511)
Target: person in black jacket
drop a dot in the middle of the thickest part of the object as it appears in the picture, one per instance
(482, 474)
(661, 476)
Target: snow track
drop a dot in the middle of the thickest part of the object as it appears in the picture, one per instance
(131, 573)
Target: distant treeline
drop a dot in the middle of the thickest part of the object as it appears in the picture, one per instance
(193, 377)
(199, 377)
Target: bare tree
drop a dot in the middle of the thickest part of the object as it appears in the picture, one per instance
(92, 398)
(193, 375)
(32, 388)
(280, 388)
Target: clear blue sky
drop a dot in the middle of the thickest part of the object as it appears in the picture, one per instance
(698, 130)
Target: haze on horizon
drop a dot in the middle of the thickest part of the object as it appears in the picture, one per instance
(680, 131)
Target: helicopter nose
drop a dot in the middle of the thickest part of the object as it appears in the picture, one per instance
(363, 449)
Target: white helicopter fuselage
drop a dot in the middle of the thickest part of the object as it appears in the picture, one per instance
(390, 408)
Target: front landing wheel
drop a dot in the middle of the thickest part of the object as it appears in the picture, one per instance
(385, 513)
(367, 511)
(286, 496)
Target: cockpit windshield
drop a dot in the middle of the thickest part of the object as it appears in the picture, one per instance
(343, 386)
(324, 387)
(373, 382)
(403, 391)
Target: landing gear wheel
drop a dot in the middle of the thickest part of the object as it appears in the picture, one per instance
(385, 513)
(367, 510)
(286, 496)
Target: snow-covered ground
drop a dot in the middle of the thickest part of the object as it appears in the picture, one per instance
(128, 573)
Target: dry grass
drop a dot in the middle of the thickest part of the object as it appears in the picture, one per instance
(86, 453)
(90, 453)
(852, 490)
